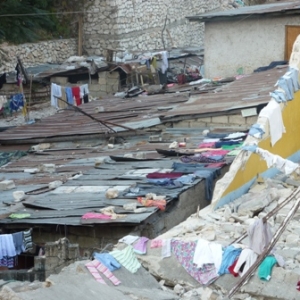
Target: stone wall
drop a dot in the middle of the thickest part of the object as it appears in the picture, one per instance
(54, 51)
(138, 24)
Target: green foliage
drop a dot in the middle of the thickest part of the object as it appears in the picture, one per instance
(24, 21)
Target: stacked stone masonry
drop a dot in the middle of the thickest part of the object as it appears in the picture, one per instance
(32, 54)
(138, 24)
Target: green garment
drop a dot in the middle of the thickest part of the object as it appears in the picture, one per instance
(265, 268)
(19, 216)
(232, 147)
(234, 152)
(127, 259)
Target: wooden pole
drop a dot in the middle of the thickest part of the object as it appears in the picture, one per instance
(271, 213)
(80, 34)
(274, 240)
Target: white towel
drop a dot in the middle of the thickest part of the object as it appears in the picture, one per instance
(84, 89)
(129, 239)
(208, 253)
(273, 112)
(55, 92)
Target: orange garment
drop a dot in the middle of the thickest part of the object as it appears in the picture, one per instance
(161, 204)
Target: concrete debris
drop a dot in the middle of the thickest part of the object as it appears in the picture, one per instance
(224, 226)
(6, 185)
(75, 282)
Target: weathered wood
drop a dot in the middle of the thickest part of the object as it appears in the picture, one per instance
(261, 257)
(271, 213)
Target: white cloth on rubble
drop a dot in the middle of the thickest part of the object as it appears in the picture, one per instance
(273, 112)
(260, 236)
(55, 92)
(235, 135)
(129, 239)
(7, 246)
(165, 63)
(166, 248)
(248, 258)
(208, 253)
(211, 140)
(3, 100)
(84, 89)
(284, 165)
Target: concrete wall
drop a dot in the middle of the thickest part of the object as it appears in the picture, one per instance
(246, 167)
(32, 54)
(247, 44)
(138, 24)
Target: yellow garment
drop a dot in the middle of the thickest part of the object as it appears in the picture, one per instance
(154, 62)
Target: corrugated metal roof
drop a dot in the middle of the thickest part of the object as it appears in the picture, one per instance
(139, 112)
(249, 91)
(66, 204)
(263, 9)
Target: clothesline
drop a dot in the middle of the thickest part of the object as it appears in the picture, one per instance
(12, 245)
(75, 95)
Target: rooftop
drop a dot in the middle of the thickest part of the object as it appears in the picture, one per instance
(271, 9)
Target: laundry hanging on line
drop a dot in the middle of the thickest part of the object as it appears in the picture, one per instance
(62, 96)
(13, 245)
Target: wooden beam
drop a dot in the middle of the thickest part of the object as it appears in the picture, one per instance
(269, 248)
(80, 34)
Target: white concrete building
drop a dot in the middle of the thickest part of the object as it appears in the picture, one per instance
(242, 40)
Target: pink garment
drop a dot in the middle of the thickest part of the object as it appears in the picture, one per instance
(92, 215)
(216, 152)
(216, 165)
(92, 269)
(156, 243)
(101, 268)
(207, 145)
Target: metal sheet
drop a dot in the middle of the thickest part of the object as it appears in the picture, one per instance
(248, 91)
(263, 9)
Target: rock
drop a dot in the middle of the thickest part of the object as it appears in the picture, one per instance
(19, 196)
(178, 289)
(6, 185)
(292, 238)
(54, 184)
(47, 168)
(111, 193)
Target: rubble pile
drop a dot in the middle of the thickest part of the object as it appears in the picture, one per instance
(224, 226)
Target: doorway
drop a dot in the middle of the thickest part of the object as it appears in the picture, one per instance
(291, 33)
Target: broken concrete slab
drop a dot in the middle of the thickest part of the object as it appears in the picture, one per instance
(75, 282)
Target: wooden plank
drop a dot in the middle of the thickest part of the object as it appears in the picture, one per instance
(291, 33)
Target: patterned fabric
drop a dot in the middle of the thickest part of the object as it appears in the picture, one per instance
(184, 252)
(7, 262)
(202, 158)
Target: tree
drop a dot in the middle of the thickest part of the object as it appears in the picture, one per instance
(25, 20)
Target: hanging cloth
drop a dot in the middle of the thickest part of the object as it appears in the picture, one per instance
(76, 94)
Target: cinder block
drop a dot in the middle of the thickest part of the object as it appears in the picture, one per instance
(220, 120)
(6, 185)
(51, 249)
(113, 75)
(102, 81)
(204, 120)
(103, 74)
(237, 119)
(59, 80)
(73, 251)
(52, 263)
(39, 263)
(251, 120)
